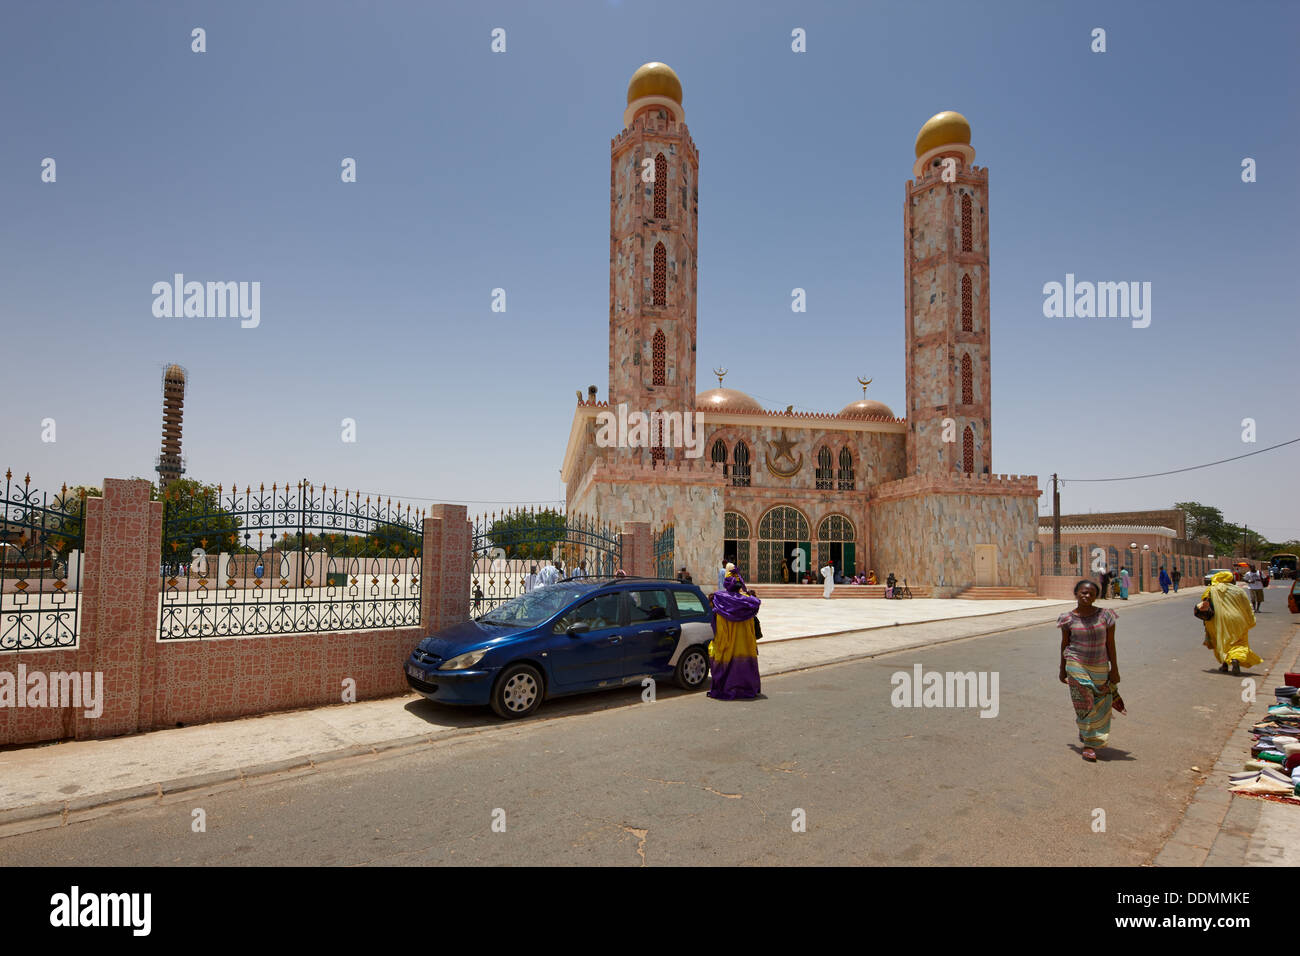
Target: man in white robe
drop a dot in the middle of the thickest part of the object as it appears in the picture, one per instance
(828, 575)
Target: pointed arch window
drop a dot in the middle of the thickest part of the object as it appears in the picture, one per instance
(661, 187)
(660, 352)
(740, 466)
(718, 454)
(846, 470)
(967, 381)
(661, 275)
(968, 450)
(825, 474)
(967, 225)
(967, 306)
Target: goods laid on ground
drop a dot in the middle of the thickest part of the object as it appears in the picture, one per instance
(1274, 767)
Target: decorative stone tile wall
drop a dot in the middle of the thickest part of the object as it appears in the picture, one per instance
(150, 684)
(929, 537)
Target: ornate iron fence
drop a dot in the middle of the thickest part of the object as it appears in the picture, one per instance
(665, 552)
(40, 535)
(288, 560)
(511, 549)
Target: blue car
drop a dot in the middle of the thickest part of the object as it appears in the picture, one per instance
(568, 638)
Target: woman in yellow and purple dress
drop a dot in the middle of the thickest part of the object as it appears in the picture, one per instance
(733, 652)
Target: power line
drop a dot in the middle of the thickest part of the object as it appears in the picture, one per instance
(1209, 464)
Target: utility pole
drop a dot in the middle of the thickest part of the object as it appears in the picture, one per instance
(1056, 524)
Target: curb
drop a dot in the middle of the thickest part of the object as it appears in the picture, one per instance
(43, 816)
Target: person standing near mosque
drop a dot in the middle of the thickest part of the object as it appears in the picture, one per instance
(733, 652)
(722, 572)
(1165, 580)
(828, 576)
(531, 582)
(1124, 580)
(1176, 577)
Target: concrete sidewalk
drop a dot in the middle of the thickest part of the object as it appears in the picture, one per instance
(1220, 828)
(57, 784)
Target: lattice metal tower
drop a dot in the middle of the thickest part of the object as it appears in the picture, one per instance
(170, 464)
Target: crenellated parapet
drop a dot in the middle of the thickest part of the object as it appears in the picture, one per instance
(956, 483)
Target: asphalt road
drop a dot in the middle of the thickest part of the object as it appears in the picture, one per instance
(689, 780)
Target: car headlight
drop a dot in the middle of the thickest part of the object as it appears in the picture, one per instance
(463, 661)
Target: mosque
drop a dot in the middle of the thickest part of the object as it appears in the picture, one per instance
(778, 491)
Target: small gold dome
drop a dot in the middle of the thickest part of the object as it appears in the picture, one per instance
(942, 129)
(726, 400)
(174, 373)
(655, 79)
(866, 408)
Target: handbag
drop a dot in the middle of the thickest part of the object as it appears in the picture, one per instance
(758, 629)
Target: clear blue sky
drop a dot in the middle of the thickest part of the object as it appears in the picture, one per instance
(479, 170)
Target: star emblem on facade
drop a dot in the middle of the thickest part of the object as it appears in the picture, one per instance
(781, 447)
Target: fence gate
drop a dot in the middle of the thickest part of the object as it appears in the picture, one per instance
(665, 551)
(40, 535)
(289, 559)
(511, 547)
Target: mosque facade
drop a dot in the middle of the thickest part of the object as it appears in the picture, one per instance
(779, 492)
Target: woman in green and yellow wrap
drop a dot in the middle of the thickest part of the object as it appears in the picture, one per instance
(1227, 632)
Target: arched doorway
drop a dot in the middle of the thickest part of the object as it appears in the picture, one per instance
(735, 543)
(836, 542)
(784, 542)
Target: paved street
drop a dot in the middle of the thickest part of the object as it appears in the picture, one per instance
(690, 780)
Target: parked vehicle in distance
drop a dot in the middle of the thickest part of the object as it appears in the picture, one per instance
(1286, 564)
(1213, 571)
(568, 638)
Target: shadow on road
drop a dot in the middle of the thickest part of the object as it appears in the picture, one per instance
(451, 715)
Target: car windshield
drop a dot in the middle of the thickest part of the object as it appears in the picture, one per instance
(536, 606)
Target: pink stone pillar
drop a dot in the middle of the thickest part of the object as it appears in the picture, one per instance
(444, 592)
(638, 549)
(119, 625)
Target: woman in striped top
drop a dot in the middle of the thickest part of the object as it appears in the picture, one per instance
(1089, 667)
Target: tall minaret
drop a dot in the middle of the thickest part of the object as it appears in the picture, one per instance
(653, 208)
(170, 465)
(946, 264)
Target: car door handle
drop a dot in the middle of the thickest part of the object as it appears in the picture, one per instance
(672, 631)
(615, 639)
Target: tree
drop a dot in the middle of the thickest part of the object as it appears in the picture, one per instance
(1203, 521)
(195, 515)
(528, 534)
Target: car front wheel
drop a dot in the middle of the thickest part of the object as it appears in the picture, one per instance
(692, 669)
(518, 692)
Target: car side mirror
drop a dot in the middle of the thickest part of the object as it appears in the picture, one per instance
(577, 630)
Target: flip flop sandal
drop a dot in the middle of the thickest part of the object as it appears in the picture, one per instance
(1089, 755)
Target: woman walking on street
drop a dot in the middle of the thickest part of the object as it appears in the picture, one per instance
(1089, 667)
(1165, 580)
(1124, 581)
(733, 652)
(1227, 631)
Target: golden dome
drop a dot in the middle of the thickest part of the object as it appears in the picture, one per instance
(942, 129)
(655, 79)
(174, 373)
(726, 400)
(866, 408)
